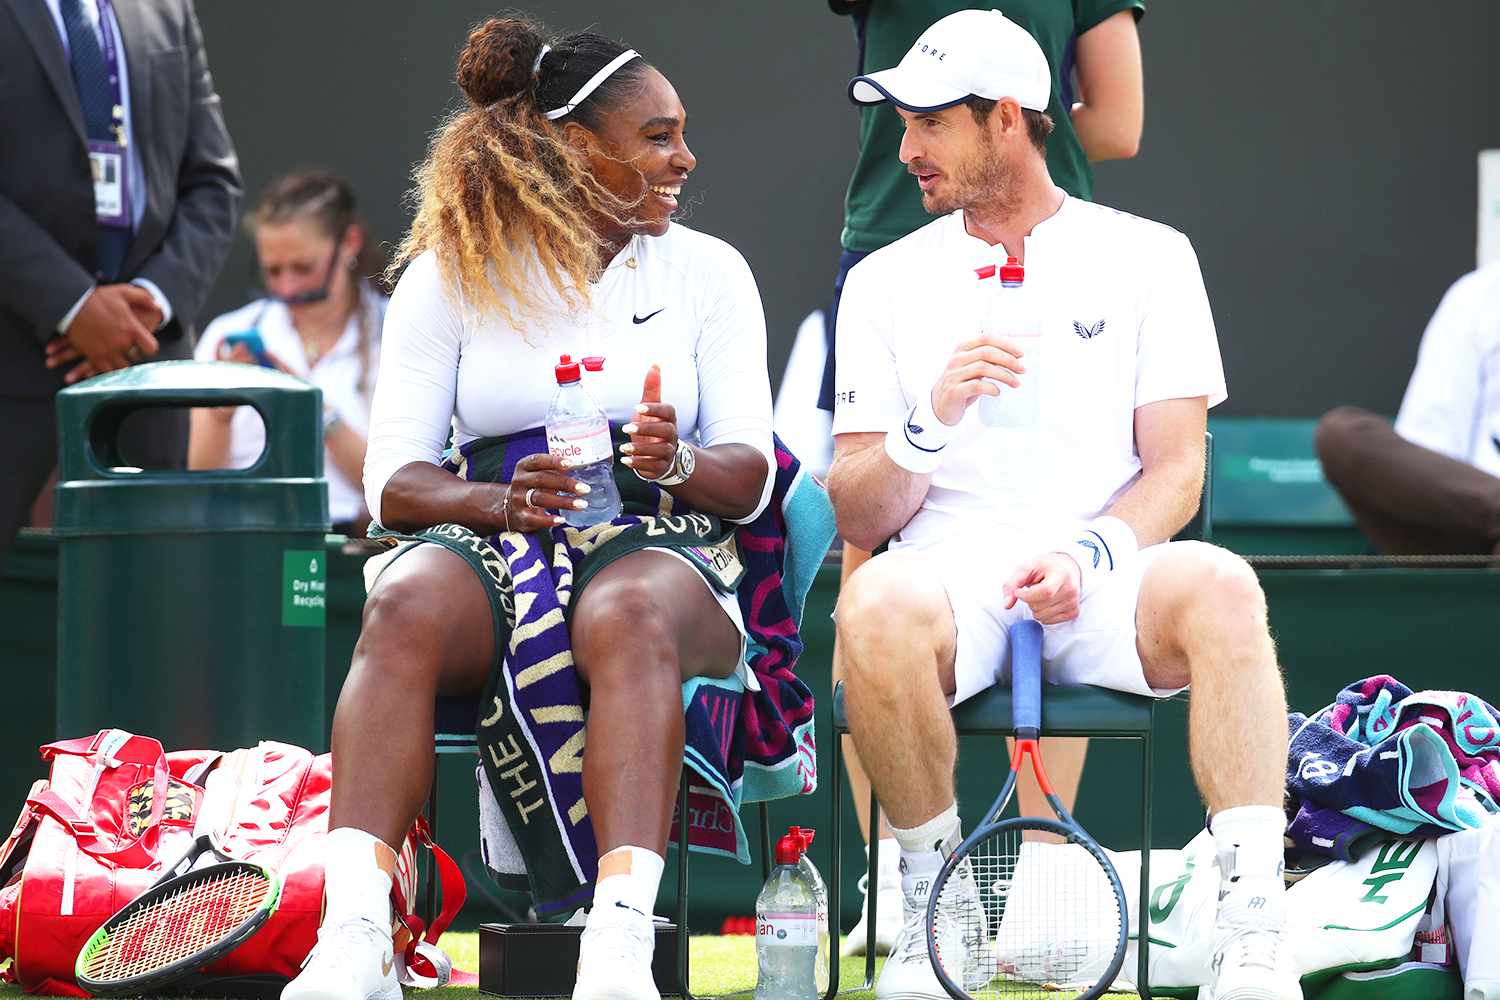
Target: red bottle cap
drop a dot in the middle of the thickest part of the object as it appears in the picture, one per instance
(567, 370)
(1012, 271)
(987, 271)
(789, 849)
(594, 363)
(807, 837)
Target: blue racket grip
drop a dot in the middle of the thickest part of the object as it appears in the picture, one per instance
(1026, 677)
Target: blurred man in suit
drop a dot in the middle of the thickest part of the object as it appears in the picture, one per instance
(119, 190)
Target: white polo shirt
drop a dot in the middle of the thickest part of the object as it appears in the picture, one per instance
(1124, 320)
(1452, 403)
(685, 301)
(339, 373)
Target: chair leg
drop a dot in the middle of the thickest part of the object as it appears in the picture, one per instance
(835, 880)
(682, 887)
(1143, 921)
(765, 843)
(432, 822)
(872, 895)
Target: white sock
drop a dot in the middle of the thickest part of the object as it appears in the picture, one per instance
(1249, 841)
(357, 870)
(924, 848)
(628, 876)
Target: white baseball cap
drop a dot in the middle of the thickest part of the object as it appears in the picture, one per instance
(972, 53)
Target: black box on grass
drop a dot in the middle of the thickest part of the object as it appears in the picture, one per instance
(540, 960)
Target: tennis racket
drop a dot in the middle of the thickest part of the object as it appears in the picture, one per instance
(1014, 917)
(201, 909)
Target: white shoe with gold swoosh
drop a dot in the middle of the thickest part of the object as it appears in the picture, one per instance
(352, 961)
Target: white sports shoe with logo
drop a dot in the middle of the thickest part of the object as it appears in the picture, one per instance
(1250, 961)
(888, 905)
(351, 961)
(614, 956)
(908, 973)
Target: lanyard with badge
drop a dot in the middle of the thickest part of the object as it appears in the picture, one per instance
(107, 158)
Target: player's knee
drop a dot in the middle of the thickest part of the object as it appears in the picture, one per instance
(884, 605)
(402, 619)
(620, 625)
(1336, 434)
(1213, 587)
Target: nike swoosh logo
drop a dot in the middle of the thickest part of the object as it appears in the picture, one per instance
(387, 964)
(642, 319)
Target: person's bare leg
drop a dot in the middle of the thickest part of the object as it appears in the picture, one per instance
(859, 781)
(643, 625)
(1201, 619)
(896, 646)
(426, 630)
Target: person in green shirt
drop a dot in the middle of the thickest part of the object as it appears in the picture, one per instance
(1098, 119)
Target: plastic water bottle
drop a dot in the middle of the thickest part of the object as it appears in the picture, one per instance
(1011, 315)
(786, 929)
(820, 894)
(578, 433)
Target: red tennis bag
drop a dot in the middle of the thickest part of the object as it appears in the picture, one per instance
(117, 810)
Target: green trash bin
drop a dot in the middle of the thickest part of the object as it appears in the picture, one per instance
(191, 605)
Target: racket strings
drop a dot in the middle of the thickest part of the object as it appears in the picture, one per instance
(1023, 919)
(180, 924)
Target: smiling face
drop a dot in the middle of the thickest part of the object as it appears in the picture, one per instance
(641, 149)
(958, 161)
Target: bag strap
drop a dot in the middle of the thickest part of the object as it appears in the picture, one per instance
(110, 748)
(425, 962)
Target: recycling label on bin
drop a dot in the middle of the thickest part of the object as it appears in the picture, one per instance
(304, 592)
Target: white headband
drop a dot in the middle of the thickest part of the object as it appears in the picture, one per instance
(539, 57)
(593, 84)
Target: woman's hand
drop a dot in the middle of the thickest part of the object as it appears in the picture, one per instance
(541, 486)
(653, 435)
(241, 354)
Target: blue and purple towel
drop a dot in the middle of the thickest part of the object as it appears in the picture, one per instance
(748, 738)
(1382, 759)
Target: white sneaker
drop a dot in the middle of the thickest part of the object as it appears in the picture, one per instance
(888, 903)
(614, 956)
(1250, 959)
(351, 961)
(962, 934)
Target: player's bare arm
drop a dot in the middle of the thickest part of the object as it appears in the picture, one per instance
(874, 494)
(1169, 437)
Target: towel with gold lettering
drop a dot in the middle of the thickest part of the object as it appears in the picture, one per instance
(743, 744)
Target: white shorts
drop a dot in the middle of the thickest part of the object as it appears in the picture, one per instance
(1098, 647)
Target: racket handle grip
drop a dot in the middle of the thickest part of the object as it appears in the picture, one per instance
(1026, 677)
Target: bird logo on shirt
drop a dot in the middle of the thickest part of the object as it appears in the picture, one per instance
(1088, 332)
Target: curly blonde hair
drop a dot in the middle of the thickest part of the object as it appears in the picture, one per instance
(501, 184)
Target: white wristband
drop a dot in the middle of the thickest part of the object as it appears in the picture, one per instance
(916, 443)
(1101, 547)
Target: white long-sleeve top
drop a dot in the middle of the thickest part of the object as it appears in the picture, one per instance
(685, 301)
(1452, 403)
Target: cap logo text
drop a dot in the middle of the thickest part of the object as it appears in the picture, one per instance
(931, 50)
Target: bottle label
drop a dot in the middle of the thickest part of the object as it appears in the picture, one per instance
(581, 443)
(789, 929)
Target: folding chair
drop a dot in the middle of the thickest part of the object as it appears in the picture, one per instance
(1066, 711)
(453, 733)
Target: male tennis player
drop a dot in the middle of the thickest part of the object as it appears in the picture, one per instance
(1065, 519)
